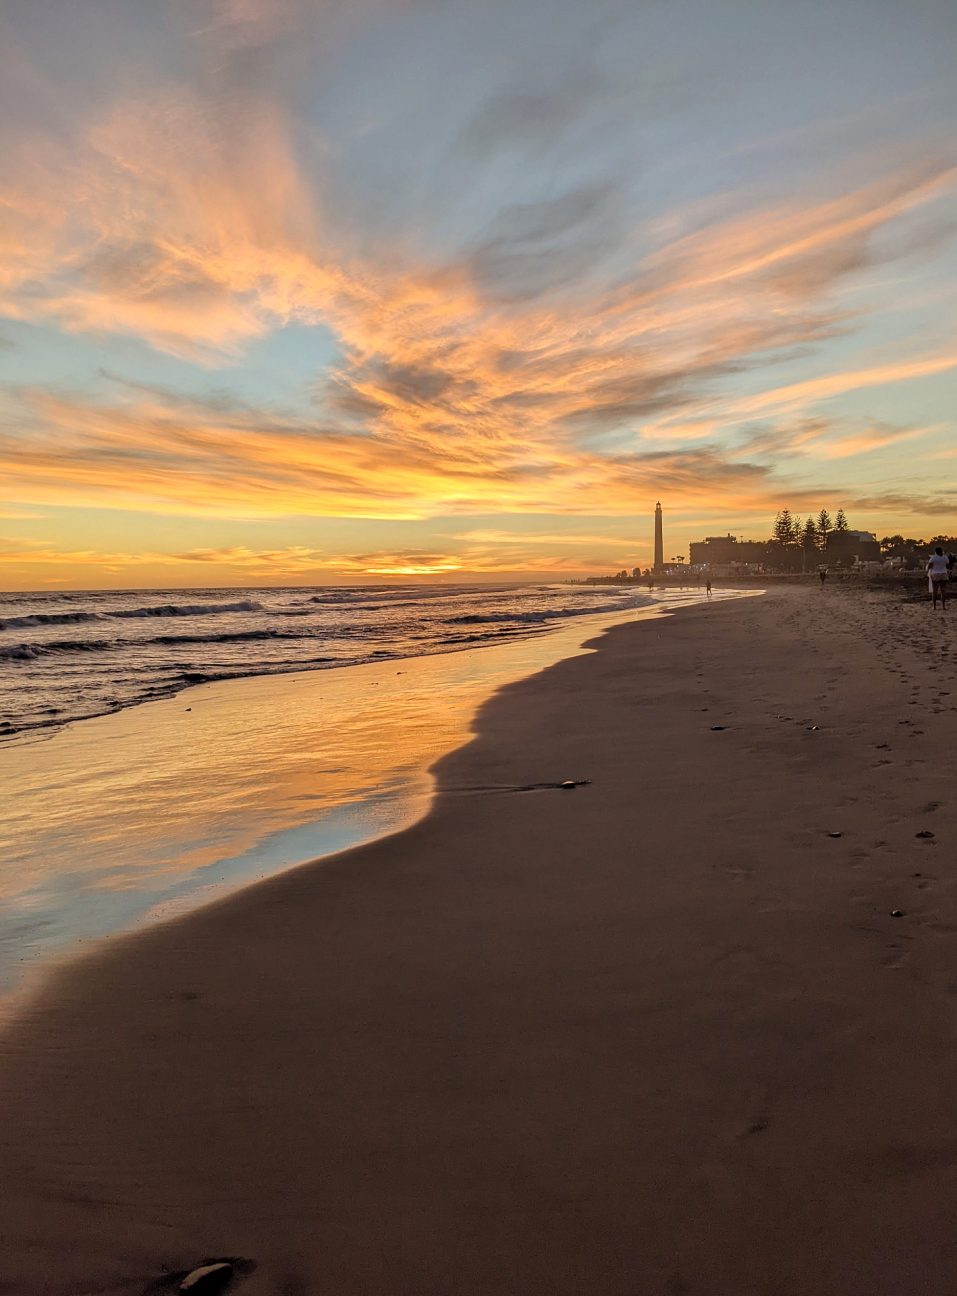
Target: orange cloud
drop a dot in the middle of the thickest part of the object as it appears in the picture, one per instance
(514, 374)
(241, 564)
(493, 537)
(795, 396)
(161, 455)
(830, 438)
(868, 439)
(801, 252)
(18, 553)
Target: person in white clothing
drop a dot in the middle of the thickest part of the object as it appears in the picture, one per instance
(937, 573)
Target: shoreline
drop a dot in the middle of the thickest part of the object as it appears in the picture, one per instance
(24, 733)
(44, 729)
(161, 806)
(657, 1034)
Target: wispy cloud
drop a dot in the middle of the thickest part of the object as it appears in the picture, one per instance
(490, 536)
(519, 337)
(447, 399)
(875, 437)
(162, 454)
(294, 562)
(796, 396)
(828, 438)
(300, 560)
(17, 552)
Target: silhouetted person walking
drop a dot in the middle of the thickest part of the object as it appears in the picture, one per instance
(708, 589)
(823, 575)
(937, 573)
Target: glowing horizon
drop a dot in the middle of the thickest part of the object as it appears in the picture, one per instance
(295, 293)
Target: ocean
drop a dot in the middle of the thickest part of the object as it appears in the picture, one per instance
(71, 656)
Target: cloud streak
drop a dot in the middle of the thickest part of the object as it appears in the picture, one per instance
(445, 400)
(568, 348)
(165, 453)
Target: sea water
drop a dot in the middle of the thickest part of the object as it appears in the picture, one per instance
(69, 656)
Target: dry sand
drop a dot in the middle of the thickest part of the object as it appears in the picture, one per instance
(659, 1034)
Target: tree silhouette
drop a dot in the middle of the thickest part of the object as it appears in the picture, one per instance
(823, 527)
(840, 521)
(786, 531)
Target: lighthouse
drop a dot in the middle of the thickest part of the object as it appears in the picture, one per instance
(659, 540)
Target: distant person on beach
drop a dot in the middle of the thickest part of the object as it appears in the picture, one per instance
(823, 575)
(938, 569)
(708, 589)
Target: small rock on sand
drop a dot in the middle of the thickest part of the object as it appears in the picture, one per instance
(208, 1278)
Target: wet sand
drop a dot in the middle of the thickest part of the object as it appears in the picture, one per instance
(134, 817)
(657, 1034)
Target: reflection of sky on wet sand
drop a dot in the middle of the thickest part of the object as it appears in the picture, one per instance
(142, 814)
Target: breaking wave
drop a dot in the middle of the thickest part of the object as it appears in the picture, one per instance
(187, 609)
(30, 651)
(32, 619)
(46, 618)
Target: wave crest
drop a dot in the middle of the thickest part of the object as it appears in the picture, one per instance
(46, 618)
(187, 609)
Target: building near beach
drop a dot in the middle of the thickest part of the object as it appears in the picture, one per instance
(728, 551)
(845, 548)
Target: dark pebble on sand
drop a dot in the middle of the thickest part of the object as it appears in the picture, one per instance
(813, 728)
(718, 728)
(569, 783)
(897, 913)
(926, 835)
(835, 834)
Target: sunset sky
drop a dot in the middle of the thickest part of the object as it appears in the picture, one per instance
(298, 291)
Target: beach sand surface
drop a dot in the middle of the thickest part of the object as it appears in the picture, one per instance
(657, 1034)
